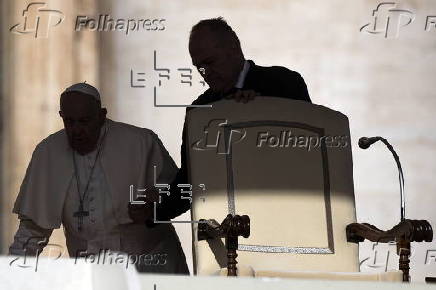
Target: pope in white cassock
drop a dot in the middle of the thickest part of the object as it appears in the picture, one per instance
(80, 177)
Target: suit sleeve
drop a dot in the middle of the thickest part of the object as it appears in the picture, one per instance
(303, 94)
(293, 84)
(174, 205)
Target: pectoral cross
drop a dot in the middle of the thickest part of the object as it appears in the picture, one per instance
(80, 214)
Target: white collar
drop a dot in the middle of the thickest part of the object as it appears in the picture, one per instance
(242, 75)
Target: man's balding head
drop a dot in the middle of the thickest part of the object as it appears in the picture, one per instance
(218, 29)
(216, 51)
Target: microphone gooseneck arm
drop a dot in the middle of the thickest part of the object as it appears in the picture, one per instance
(404, 233)
(366, 142)
(400, 176)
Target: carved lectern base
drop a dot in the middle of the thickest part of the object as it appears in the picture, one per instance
(231, 228)
(403, 234)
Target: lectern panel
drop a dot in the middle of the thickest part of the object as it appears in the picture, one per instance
(287, 164)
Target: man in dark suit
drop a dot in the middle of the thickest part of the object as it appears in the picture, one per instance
(216, 52)
(274, 81)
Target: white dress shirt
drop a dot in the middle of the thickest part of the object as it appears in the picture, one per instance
(242, 75)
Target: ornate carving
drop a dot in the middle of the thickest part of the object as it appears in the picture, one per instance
(231, 228)
(405, 232)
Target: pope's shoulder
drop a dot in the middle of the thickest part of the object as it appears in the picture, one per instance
(129, 130)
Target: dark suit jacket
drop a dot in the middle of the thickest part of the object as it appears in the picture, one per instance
(276, 81)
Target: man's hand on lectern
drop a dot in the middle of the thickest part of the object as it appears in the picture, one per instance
(243, 96)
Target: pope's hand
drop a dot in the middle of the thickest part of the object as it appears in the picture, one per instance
(144, 212)
(243, 96)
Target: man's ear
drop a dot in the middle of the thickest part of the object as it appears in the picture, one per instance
(60, 114)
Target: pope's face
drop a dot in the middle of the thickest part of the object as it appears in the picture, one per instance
(221, 62)
(83, 118)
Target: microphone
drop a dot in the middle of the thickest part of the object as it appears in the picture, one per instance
(366, 142)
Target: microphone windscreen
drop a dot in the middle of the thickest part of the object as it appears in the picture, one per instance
(364, 142)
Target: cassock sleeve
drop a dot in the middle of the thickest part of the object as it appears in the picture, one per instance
(30, 239)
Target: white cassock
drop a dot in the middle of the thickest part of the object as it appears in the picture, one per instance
(49, 197)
